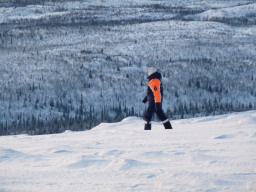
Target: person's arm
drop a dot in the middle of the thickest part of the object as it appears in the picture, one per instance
(145, 100)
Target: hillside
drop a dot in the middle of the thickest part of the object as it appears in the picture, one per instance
(215, 153)
(73, 64)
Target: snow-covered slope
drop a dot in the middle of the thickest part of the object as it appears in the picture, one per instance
(242, 12)
(215, 153)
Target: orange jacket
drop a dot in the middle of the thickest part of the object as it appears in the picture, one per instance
(154, 85)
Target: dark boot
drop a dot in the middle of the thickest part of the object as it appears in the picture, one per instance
(167, 125)
(147, 126)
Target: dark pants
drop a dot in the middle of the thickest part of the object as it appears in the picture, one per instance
(151, 110)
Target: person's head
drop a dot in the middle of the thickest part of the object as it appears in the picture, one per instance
(151, 70)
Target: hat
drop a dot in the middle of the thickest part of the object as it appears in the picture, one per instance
(151, 70)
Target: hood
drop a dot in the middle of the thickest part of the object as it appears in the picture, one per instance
(151, 70)
(155, 75)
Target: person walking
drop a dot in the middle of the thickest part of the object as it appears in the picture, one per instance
(154, 98)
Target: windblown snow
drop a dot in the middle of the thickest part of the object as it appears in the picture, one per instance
(216, 153)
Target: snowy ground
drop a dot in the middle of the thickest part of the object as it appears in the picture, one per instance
(215, 153)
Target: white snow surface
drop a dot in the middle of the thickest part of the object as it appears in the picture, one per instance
(216, 153)
(228, 12)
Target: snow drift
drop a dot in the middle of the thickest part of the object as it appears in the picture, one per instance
(215, 153)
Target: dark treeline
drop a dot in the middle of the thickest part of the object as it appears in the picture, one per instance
(81, 121)
(86, 120)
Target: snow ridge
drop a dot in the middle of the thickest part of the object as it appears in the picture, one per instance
(215, 153)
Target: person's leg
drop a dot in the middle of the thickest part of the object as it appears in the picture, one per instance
(167, 124)
(148, 115)
(161, 115)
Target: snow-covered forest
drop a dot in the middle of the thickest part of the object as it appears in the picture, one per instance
(73, 64)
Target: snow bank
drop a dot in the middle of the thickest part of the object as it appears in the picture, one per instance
(214, 153)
